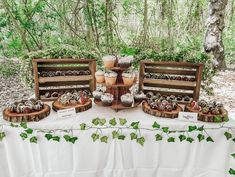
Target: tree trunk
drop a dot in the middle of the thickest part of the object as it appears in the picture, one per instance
(213, 38)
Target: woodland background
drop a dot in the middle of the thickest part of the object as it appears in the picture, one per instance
(147, 29)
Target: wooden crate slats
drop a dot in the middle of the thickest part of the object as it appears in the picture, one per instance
(168, 87)
(63, 83)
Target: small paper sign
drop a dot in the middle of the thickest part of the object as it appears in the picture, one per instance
(188, 116)
(66, 113)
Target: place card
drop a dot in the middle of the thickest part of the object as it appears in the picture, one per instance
(188, 116)
(66, 113)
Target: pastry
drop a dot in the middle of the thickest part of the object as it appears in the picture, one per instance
(47, 94)
(109, 61)
(110, 78)
(127, 100)
(128, 78)
(99, 75)
(97, 94)
(55, 94)
(107, 99)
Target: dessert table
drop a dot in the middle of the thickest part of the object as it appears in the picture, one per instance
(116, 158)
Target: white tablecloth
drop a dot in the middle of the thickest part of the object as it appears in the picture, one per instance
(117, 158)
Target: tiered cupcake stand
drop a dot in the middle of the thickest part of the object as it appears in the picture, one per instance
(117, 90)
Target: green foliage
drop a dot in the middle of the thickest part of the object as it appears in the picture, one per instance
(9, 68)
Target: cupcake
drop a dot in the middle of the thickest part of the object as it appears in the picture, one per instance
(128, 78)
(125, 62)
(110, 78)
(109, 61)
(139, 97)
(107, 99)
(99, 75)
(97, 94)
(127, 100)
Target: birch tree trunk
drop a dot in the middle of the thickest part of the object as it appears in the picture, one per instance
(213, 38)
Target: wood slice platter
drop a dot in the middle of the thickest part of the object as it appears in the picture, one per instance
(117, 105)
(56, 105)
(173, 114)
(209, 117)
(30, 117)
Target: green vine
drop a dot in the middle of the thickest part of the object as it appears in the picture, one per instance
(117, 126)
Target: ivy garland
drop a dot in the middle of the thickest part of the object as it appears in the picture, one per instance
(99, 124)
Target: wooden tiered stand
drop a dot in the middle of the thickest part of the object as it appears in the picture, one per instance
(63, 83)
(171, 87)
(118, 90)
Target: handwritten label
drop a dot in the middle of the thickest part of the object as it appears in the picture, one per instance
(66, 113)
(188, 116)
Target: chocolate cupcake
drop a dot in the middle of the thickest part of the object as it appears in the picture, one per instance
(97, 94)
(125, 62)
(127, 100)
(107, 99)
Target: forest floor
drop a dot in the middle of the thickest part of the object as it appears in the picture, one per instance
(222, 84)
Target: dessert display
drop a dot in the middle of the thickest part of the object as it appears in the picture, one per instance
(208, 111)
(109, 61)
(99, 75)
(161, 105)
(127, 100)
(125, 62)
(80, 100)
(26, 110)
(128, 78)
(110, 77)
(107, 99)
(63, 73)
(169, 77)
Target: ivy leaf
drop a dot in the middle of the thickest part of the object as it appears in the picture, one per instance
(23, 125)
(234, 140)
(233, 155)
(231, 171)
(121, 137)
(104, 139)
(228, 135)
(217, 118)
(24, 136)
(83, 126)
(2, 135)
(95, 121)
(113, 122)
(141, 141)
(200, 128)
(56, 138)
(135, 125)
(133, 136)
(48, 136)
(73, 139)
(67, 138)
(209, 139)
(200, 137)
(33, 139)
(156, 125)
(29, 131)
(171, 139)
(189, 139)
(182, 138)
(122, 121)
(158, 137)
(115, 134)
(165, 129)
(102, 122)
(192, 128)
(226, 119)
(95, 136)
(13, 125)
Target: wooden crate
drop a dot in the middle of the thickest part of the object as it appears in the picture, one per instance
(62, 84)
(171, 87)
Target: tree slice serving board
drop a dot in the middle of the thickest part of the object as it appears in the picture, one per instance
(30, 117)
(209, 117)
(173, 114)
(56, 105)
